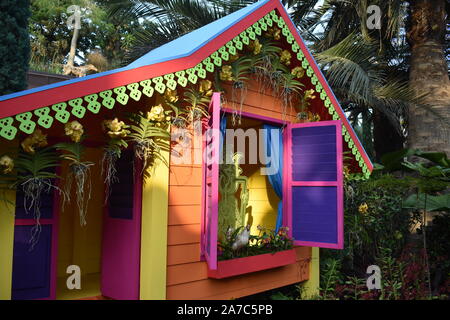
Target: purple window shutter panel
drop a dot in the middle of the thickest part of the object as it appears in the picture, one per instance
(31, 268)
(211, 205)
(314, 214)
(31, 277)
(315, 184)
(120, 201)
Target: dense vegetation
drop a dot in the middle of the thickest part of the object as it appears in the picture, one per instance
(100, 34)
(388, 224)
(14, 45)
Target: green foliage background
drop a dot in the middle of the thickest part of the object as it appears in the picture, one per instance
(14, 45)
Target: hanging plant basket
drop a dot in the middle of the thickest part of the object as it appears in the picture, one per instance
(234, 267)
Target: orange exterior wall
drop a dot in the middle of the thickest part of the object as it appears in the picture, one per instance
(186, 273)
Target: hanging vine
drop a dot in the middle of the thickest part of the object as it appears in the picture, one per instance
(117, 131)
(150, 135)
(79, 169)
(303, 114)
(237, 73)
(35, 165)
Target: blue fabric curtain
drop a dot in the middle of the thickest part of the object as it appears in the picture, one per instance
(276, 180)
(223, 129)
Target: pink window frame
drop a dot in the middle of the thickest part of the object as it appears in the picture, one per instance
(203, 206)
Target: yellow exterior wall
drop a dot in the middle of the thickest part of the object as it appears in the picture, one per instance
(6, 242)
(310, 288)
(7, 214)
(263, 201)
(155, 199)
(82, 245)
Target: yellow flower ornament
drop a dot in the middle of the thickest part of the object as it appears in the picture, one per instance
(226, 74)
(255, 46)
(7, 164)
(285, 57)
(36, 140)
(115, 128)
(363, 208)
(156, 114)
(309, 94)
(74, 130)
(206, 88)
(298, 72)
(274, 33)
(171, 96)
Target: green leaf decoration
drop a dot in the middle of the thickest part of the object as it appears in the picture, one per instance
(41, 164)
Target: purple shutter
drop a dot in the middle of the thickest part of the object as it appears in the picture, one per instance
(120, 200)
(31, 278)
(211, 198)
(314, 184)
(32, 267)
(121, 234)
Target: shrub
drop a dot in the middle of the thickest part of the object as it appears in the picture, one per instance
(373, 219)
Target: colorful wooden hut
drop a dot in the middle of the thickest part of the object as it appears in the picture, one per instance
(151, 230)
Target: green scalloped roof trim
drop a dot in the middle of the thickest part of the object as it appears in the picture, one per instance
(109, 99)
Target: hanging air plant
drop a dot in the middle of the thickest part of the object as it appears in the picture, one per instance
(262, 62)
(172, 100)
(194, 107)
(304, 103)
(237, 73)
(288, 87)
(198, 101)
(150, 135)
(79, 169)
(35, 176)
(305, 99)
(226, 74)
(117, 132)
(270, 72)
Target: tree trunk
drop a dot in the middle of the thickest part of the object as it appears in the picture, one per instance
(386, 137)
(69, 66)
(73, 47)
(429, 129)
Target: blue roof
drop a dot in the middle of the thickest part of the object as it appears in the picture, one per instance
(178, 48)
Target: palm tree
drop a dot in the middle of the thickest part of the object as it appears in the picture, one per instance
(371, 92)
(429, 73)
(372, 62)
(368, 69)
(412, 47)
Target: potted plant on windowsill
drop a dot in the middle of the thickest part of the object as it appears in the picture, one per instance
(267, 250)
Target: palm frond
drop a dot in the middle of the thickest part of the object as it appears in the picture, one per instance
(351, 64)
